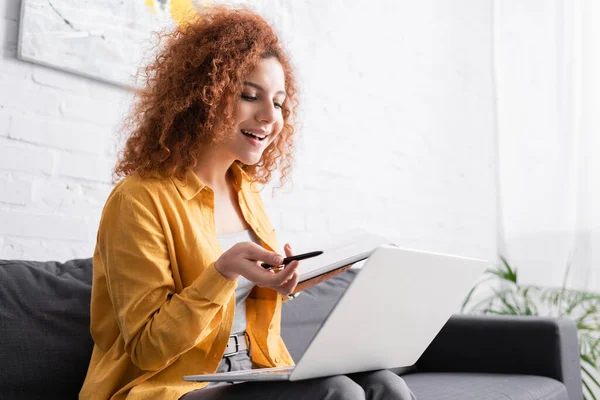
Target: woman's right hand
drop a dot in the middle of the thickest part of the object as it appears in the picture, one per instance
(245, 258)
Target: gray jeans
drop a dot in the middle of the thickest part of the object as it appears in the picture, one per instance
(372, 385)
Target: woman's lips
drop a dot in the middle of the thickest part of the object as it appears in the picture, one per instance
(253, 137)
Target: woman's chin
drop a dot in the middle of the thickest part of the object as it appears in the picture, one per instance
(250, 159)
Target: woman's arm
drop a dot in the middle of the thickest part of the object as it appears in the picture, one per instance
(157, 324)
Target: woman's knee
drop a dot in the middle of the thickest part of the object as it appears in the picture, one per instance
(383, 384)
(341, 387)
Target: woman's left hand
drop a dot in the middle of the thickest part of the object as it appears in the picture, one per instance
(288, 286)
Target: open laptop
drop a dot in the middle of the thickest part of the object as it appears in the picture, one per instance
(387, 317)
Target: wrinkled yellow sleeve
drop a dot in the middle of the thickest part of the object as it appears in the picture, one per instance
(157, 324)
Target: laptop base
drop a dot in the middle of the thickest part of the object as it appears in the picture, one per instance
(263, 374)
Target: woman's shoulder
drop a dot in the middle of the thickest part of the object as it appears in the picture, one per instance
(142, 189)
(135, 202)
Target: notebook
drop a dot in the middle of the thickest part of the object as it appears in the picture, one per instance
(339, 254)
(387, 317)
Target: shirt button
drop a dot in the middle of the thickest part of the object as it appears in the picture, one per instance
(257, 229)
(271, 327)
(277, 360)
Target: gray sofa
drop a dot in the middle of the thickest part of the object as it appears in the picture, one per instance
(45, 343)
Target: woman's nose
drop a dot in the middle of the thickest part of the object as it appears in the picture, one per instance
(266, 114)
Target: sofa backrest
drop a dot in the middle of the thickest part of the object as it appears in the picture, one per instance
(45, 341)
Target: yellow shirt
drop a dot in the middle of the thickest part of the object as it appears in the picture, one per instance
(159, 308)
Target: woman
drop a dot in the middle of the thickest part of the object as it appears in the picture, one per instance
(214, 120)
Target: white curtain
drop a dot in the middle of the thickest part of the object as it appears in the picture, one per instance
(547, 69)
(585, 79)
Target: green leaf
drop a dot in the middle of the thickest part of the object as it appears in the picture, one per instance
(589, 361)
(502, 297)
(509, 273)
(591, 311)
(497, 312)
(595, 346)
(589, 344)
(589, 391)
(468, 298)
(583, 327)
(479, 307)
(590, 376)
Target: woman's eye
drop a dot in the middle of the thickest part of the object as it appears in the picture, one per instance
(247, 97)
(278, 105)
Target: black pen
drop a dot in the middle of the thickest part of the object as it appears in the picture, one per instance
(298, 257)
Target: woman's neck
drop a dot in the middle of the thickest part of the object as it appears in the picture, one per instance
(212, 171)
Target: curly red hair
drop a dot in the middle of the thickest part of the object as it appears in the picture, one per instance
(190, 92)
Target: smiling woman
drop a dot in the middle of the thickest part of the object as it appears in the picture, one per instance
(178, 288)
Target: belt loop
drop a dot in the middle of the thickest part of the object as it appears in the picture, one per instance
(237, 347)
(248, 342)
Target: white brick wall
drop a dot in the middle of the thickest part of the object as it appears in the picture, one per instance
(397, 133)
(4, 122)
(56, 150)
(18, 157)
(30, 225)
(57, 133)
(15, 191)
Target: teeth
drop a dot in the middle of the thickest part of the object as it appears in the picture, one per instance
(253, 135)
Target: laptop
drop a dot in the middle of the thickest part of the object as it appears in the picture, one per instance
(388, 316)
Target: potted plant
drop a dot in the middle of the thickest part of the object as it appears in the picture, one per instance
(509, 297)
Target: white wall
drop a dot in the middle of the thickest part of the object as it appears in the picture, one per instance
(397, 132)
(56, 136)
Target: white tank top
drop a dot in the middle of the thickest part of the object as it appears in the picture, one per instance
(244, 286)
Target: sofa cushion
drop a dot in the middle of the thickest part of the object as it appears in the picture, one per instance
(44, 326)
(467, 386)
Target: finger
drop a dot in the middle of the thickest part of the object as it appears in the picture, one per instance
(277, 279)
(289, 286)
(295, 265)
(257, 253)
(283, 267)
(254, 272)
(288, 250)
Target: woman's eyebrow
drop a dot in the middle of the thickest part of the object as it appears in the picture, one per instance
(257, 86)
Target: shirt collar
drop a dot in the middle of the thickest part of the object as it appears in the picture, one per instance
(191, 185)
(241, 180)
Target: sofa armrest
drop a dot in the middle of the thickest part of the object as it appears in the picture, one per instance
(510, 345)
